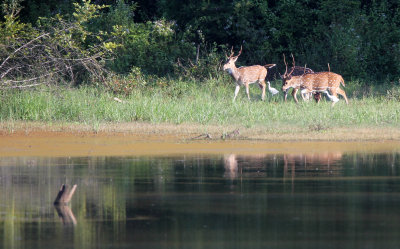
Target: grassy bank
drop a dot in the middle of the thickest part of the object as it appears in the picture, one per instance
(206, 104)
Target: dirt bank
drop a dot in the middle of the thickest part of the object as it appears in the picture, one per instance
(36, 139)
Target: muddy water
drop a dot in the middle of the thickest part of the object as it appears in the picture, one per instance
(317, 196)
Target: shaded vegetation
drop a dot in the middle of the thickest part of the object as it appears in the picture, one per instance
(360, 39)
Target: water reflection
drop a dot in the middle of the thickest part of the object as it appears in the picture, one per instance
(231, 166)
(66, 215)
(328, 164)
(313, 200)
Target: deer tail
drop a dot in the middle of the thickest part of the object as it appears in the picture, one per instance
(342, 81)
(269, 65)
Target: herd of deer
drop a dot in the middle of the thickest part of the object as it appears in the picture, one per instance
(304, 79)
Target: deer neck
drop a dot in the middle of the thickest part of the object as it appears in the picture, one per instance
(299, 81)
(233, 71)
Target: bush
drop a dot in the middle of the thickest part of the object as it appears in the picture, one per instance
(60, 48)
(120, 84)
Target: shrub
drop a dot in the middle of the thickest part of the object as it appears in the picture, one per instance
(59, 48)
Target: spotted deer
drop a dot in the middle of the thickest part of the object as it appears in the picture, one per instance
(314, 82)
(246, 75)
(296, 71)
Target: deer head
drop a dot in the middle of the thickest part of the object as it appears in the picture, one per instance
(229, 64)
(287, 79)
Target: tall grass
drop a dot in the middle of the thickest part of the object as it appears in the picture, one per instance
(207, 103)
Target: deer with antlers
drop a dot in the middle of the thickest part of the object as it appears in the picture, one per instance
(246, 75)
(296, 71)
(314, 82)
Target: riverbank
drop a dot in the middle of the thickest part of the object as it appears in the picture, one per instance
(187, 117)
(122, 139)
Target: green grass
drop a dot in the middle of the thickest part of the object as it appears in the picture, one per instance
(201, 103)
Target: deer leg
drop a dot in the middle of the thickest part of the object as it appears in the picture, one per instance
(236, 91)
(294, 93)
(305, 94)
(302, 96)
(310, 96)
(247, 90)
(317, 97)
(334, 94)
(262, 85)
(343, 93)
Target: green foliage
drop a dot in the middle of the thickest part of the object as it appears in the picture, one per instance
(207, 66)
(12, 31)
(62, 46)
(150, 46)
(381, 47)
(32, 10)
(76, 32)
(359, 39)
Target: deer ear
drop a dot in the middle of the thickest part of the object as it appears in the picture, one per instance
(234, 59)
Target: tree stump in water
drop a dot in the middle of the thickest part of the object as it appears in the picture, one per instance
(64, 195)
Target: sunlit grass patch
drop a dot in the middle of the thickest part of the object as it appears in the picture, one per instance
(206, 103)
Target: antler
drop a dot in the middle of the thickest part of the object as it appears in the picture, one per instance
(293, 65)
(284, 60)
(232, 53)
(240, 52)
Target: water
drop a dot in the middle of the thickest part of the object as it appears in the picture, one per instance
(328, 200)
